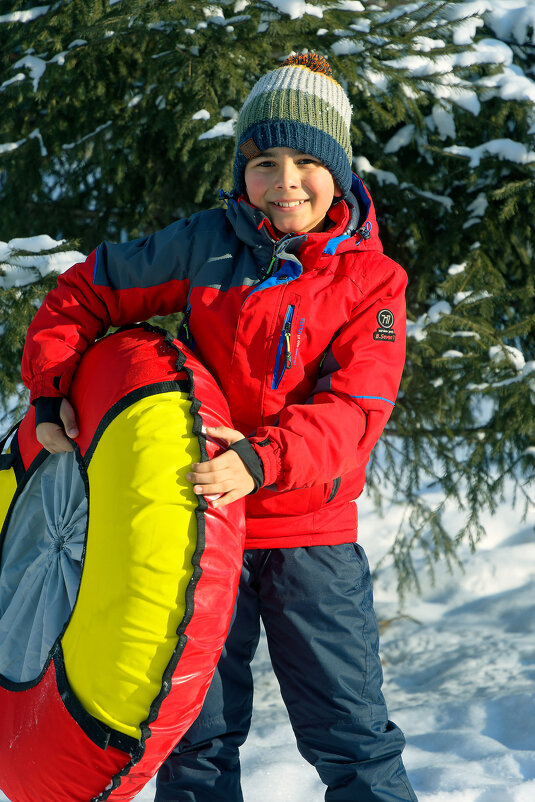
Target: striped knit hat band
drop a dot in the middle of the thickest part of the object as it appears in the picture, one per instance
(299, 106)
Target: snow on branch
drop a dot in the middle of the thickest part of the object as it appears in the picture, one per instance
(296, 8)
(24, 16)
(504, 149)
(25, 260)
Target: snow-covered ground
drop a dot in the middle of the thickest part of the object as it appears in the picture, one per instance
(459, 677)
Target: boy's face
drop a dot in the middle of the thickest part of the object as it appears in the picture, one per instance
(293, 189)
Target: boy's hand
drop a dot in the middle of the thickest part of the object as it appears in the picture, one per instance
(225, 475)
(52, 435)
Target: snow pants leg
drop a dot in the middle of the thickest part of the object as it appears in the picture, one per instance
(316, 606)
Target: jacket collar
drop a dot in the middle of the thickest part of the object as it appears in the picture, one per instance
(354, 227)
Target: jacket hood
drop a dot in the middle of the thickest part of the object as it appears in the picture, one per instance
(353, 218)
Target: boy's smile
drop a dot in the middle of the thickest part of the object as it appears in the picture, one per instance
(292, 188)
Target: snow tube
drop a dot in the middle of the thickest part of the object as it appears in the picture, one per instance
(117, 583)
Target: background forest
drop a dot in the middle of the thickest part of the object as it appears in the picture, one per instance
(118, 117)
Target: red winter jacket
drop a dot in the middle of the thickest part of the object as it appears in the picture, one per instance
(305, 336)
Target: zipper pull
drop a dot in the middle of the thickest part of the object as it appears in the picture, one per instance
(270, 266)
(287, 330)
(185, 324)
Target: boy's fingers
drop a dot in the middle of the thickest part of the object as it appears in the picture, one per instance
(52, 437)
(55, 438)
(224, 433)
(228, 498)
(61, 445)
(225, 476)
(211, 483)
(68, 416)
(207, 471)
(209, 490)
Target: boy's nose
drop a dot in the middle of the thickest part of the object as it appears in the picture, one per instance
(288, 175)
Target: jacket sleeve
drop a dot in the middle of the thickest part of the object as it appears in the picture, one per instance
(334, 431)
(116, 285)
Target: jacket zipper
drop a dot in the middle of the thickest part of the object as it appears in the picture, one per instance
(189, 341)
(283, 359)
(277, 248)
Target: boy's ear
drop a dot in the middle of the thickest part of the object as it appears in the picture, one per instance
(337, 191)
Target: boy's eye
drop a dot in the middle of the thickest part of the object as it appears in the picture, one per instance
(264, 164)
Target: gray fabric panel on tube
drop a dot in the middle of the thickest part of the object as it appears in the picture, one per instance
(41, 565)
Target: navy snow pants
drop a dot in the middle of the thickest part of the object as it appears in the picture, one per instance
(316, 606)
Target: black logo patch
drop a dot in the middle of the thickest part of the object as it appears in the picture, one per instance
(385, 319)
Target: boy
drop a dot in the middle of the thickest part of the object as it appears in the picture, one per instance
(294, 309)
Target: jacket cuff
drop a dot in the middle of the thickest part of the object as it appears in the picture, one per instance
(47, 410)
(268, 452)
(251, 460)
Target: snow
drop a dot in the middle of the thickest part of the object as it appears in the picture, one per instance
(462, 96)
(470, 295)
(400, 139)
(71, 145)
(466, 30)
(350, 5)
(362, 165)
(363, 26)
(31, 244)
(443, 199)
(36, 134)
(9, 146)
(417, 329)
(346, 47)
(24, 16)
(439, 309)
(487, 51)
(220, 129)
(512, 19)
(35, 65)
(505, 149)
(444, 122)
(452, 354)
(454, 269)
(134, 101)
(20, 76)
(296, 8)
(507, 353)
(509, 20)
(478, 207)
(510, 84)
(213, 11)
(17, 271)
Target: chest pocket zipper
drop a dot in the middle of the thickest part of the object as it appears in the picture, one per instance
(283, 360)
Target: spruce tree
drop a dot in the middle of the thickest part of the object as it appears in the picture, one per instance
(118, 118)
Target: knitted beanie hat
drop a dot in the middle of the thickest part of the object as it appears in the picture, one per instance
(300, 106)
